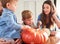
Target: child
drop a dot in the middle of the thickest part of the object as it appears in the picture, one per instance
(27, 18)
(9, 28)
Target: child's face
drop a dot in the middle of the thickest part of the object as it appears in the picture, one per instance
(12, 6)
(28, 21)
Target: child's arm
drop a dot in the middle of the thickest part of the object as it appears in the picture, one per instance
(11, 23)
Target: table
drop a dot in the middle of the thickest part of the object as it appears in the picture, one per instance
(53, 40)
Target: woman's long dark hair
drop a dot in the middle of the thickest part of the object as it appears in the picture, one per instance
(43, 16)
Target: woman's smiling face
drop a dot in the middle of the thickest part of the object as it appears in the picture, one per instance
(46, 9)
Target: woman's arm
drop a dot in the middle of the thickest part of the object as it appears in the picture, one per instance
(39, 23)
(57, 21)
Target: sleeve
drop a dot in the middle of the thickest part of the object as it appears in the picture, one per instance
(11, 23)
(39, 17)
(39, 22)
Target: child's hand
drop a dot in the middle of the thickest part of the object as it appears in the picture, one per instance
(26, 27)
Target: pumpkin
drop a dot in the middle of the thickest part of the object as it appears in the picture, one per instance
(35, 36)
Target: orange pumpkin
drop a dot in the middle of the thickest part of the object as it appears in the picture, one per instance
(34, 36)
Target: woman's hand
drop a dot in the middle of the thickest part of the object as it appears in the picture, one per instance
(53, 33)
(39, 24)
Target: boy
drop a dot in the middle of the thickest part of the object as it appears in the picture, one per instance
(9, 28)
(27, 18)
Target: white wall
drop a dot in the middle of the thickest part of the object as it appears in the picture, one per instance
(33, 5)
(58, 7)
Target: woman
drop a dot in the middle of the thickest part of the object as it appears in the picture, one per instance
(45, 19)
